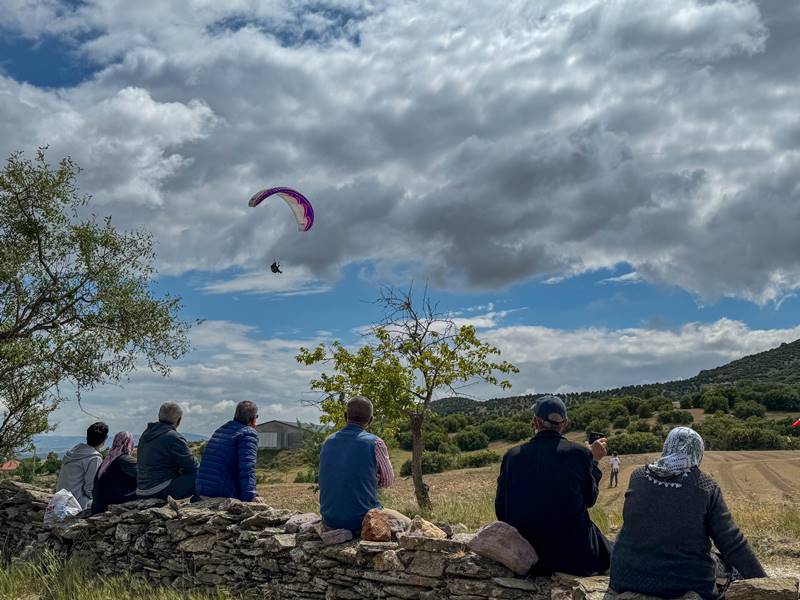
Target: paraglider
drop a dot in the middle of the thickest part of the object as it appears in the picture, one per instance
(796, 423)
(301, 207)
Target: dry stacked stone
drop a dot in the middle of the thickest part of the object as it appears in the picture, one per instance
(273, 553)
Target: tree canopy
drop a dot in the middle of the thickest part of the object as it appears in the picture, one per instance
(76, 306)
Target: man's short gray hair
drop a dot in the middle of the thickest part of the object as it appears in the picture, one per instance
(246, 411)
(359, 410)
(170, 413)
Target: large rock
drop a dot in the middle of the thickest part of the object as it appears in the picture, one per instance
(779, 588)
(336, 536)
(503, 543)
(302, 523)
(422, 528)
(376, 527)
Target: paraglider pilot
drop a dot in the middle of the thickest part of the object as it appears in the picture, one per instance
(275, 267)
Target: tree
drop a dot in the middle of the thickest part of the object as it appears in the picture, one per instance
(421, 350)
(75, 303)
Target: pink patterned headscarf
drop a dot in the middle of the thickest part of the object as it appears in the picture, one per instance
(123, 444)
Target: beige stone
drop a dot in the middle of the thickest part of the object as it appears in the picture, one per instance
(503, 543)
(778, 588)
(422, 528)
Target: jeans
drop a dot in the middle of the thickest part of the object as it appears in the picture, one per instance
(614, 481)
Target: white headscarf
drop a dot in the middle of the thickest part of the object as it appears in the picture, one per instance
(683, 449)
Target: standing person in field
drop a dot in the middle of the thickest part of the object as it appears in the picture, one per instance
(614, 479)
(353, 465)
(116, 478)
(672, 513)
(228, 467)
(80, 465)
(545, 489)
(167, 466)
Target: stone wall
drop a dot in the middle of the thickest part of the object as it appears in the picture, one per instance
(274, 553)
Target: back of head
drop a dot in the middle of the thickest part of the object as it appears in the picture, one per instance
(246, 412)
(170, 413)
(551, 413)
(359, 411)
(96, 434)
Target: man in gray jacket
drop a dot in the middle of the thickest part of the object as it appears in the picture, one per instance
(166, 465)
(80, 465)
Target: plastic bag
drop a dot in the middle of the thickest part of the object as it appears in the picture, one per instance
(62, 505)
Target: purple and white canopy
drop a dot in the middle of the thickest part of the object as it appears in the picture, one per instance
(301, 207)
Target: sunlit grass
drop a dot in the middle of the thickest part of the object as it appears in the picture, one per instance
(52, 579)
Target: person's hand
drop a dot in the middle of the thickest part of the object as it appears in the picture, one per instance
(598, 449)
(258, 500)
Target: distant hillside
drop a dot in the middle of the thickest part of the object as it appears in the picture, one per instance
(779, 365)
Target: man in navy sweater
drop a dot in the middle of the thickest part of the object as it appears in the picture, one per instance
(228, 468)
(353, 465)
(545, 489)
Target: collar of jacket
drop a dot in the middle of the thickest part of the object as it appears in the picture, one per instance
(548, 433)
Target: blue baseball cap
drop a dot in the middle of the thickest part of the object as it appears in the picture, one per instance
(550, 408)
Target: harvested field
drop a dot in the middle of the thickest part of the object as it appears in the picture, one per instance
(762, 490)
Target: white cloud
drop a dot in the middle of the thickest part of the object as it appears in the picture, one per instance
(474, 144)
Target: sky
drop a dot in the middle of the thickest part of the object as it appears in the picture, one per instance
(608, 190)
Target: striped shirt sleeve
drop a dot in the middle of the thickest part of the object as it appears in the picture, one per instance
(385, 471)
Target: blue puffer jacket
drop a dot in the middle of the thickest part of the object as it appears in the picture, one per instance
(228, 467)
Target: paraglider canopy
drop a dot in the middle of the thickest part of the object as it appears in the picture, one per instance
(301, 207)
(796, 423)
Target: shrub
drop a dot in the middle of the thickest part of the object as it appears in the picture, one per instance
(432, 440)
(644, 411)
(448, 448)
(432, 462)
(748, 408)
(495, 429)
(616, 410)
(633, 443)
(471, 439)
(518, 431)
(456, 422)
(404, 440)
(675, 417)
(599, 425)
(686, 403)
(714, 402)
(309, 476)
(478, 459)
(753, 438)
(622, 422)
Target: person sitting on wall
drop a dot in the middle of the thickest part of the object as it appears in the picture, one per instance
(228, 466)
(167, 466)
(80, 465)
(545, 489)
(115, 482)
(353, 465)
(672, 512)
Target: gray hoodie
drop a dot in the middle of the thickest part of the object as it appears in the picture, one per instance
(78, 469)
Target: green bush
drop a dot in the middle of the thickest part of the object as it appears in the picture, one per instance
(675, 417)
(714, 402)
(456, 422)
(448, 448)
(748, 408)
(432, 462)
(622, 422)
(432, 440)
(518, 431)
(495, 429)
(478, 459)
(471, 438)
(686, 402)
(633, 443)
(752, 438)
(644, 411)
(309, 476)
(599, 425)
(404, 440)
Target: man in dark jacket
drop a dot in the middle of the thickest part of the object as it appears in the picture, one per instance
(228, 468)
(545, 489)
(167, 466)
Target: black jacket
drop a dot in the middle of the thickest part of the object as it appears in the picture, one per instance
(664, 546)
(163, 455)
(116, 486)
(545, 489)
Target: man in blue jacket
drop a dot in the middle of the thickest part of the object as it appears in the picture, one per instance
(228, 467)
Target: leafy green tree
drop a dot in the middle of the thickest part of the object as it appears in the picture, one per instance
(75, 300)
(471, 439)
(714, 402)
(414, 352)
(744, 409)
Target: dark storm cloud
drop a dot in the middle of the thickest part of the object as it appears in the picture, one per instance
(473, 144)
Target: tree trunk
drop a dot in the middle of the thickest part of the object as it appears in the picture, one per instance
(420, 487)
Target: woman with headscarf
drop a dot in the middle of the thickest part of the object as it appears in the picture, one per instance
(115, 482)
(672, 513)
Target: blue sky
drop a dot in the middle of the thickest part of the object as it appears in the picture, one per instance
(608, 192)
